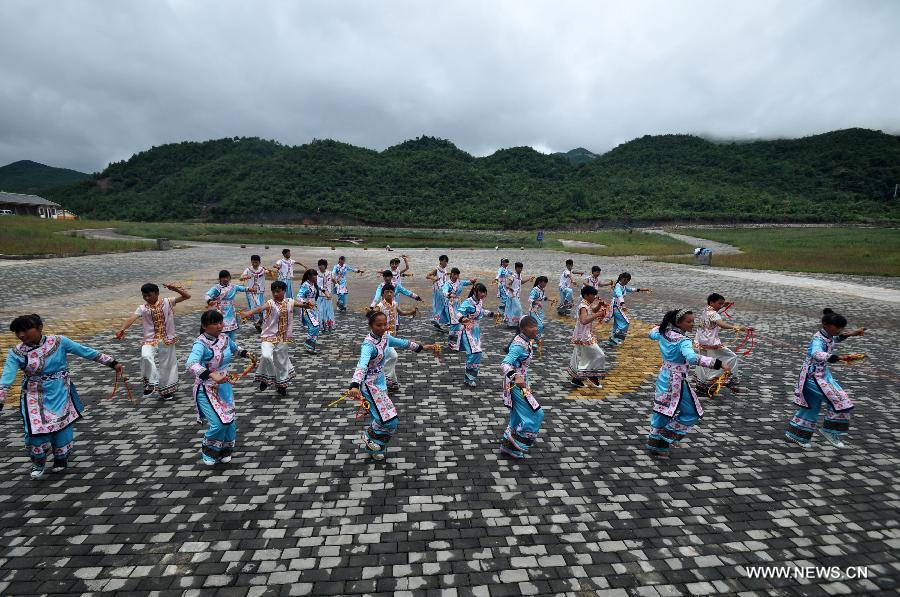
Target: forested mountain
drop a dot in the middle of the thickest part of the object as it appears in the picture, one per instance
(846, 175)
(33, 178)
(578, 156)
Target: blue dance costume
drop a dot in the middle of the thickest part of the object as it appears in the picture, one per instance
(816, 386)
(621, 323)
(339, 272)
(49, 403)
(468, 337)
(676, 407)
(223, 297)
(525, 413)
(369, 378)
(214, 401)
(307, 299)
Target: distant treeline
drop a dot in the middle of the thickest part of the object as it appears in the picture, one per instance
(846, 175)
(32, 178)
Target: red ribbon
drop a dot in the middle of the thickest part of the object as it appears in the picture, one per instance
(116, 387)
(749, 340)
(725, 309)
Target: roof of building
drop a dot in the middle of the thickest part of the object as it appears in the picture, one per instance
(20, 199)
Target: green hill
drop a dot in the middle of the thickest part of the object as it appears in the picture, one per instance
(578, 156)
(30, 177)
(844, 175)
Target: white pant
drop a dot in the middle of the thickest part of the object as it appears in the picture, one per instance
(164, 376)
(275, 365)
(587, 361)
(390, 363)
(708, 374)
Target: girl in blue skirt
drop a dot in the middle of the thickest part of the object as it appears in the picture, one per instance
(676, 407)
(470, 312)
(815, 386)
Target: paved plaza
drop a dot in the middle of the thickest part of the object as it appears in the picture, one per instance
(301, 511)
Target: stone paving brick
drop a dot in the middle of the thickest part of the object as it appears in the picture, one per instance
(300, 512)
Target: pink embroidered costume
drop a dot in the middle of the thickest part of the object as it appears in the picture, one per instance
(588, 360)
(710, 345)
(275, 365)
(256, 289)
(158, 346)
(390, 354)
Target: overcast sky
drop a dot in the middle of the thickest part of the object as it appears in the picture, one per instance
(83, 83)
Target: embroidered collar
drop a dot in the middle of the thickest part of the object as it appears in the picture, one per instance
(524, 341)
(375, 340)
(825, 334)
(23, 347)
(674, 334)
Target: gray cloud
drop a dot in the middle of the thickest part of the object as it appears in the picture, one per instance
(85, 83)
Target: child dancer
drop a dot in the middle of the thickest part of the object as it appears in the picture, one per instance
(588, 359)
(451, 291)
(676, 407)
(221, 297)
(307, 300)
(469, 312)
(621, 322)
(566, 301)
(594, 279)
(256, 289)
(369, 384)
(513, 311)
(285, 268)
(275, 365)
(438, 276)
(325, 286)
(158, 318)
(397, 275)
(49, 404)
(386, 277)
(525, 412)
(537, 297)
(340, 272)
(500, 279)
(709, 344)
(213, 395)
(393, 313)
(815, 385)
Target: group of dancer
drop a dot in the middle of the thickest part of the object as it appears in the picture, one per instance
(49, 403)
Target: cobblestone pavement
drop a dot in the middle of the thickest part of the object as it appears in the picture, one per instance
(301, 511)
